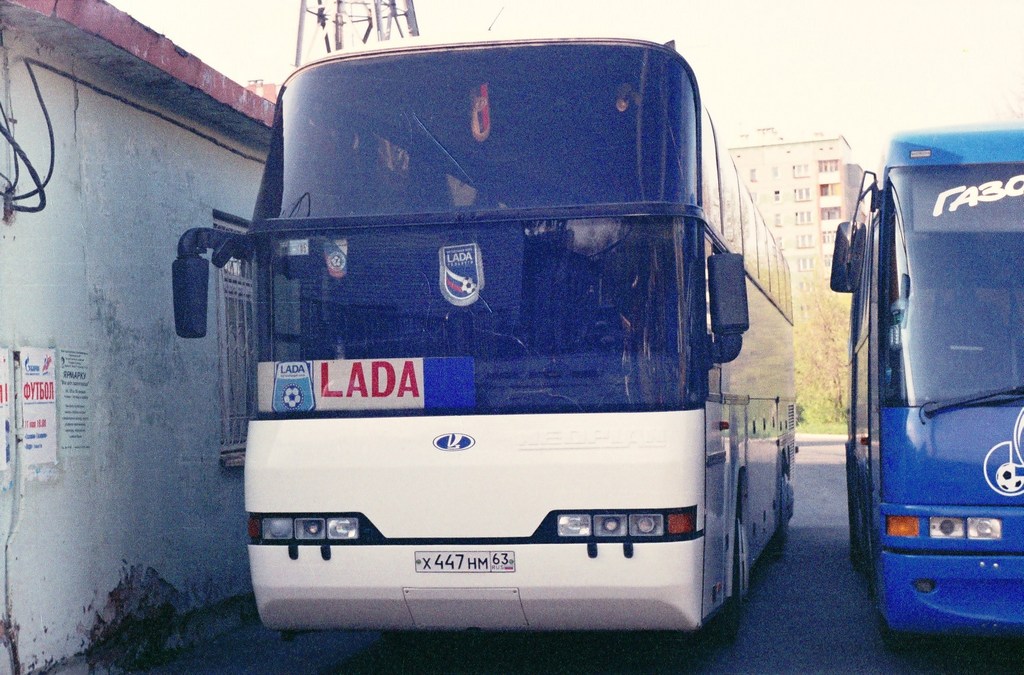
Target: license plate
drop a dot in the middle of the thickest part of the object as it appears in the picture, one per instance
(465, 561)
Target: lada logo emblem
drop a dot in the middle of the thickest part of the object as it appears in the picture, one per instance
(454, 442)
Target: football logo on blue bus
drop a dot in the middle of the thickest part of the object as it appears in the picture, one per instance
(454, 442)
(462, 273)
(1004, 466)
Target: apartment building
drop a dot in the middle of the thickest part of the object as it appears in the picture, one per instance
(804, 189)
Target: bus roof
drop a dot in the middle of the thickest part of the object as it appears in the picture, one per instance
(973, 144)
(419, 44)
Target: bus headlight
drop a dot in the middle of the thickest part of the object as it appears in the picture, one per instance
(943, 527)
(984, 528)
(646, 525)
(277, 528)
(610, 525)
(574, 525)
(309, 528)
(342, 528)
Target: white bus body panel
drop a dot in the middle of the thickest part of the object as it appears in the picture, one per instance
(521, 468)
(554, 587)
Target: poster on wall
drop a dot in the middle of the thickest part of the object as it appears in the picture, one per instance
(5, 408)
(38, 405)
(73, 403)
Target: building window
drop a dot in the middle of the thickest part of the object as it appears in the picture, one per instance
(803, 217)
(831, 213)
(828, 237)
(801, 170)
(775, 172)
(802, 194)
(828, 190)
(804, 240)
(777, 196)
(828, 261)
(805, 264)
(828, 165)
(753, 175)
(777, 220)
(235, 336)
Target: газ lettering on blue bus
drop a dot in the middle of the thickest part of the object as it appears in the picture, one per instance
(491, 390)
(934, 468)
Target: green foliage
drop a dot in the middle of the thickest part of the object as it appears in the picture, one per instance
(822, 366)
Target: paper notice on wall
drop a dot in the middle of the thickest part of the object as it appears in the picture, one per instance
(38, 404)
(5, 408)
(73, 402)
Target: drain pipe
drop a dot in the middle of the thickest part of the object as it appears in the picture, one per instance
(8, 629)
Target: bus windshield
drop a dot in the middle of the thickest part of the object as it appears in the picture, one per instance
(953, 318)
(507, 127)
(526, 316)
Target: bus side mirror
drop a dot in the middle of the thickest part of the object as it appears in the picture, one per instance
(730, 318)
(839, 280)
(847, 257)
(190, 277)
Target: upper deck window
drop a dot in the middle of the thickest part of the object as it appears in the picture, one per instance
(526, 126)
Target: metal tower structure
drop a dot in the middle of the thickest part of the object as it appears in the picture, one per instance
(345, 22)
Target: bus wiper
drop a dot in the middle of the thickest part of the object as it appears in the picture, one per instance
(933, 408)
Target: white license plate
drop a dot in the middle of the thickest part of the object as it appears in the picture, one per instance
(465, 561)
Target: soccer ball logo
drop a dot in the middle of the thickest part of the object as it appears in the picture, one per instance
(1009, 481)
(1009, 477)
(468, 286)
(292, 397)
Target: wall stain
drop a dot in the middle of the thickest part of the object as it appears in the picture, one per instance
(135, 626)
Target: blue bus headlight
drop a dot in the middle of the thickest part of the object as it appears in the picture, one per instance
(984, 528)
(943, 527)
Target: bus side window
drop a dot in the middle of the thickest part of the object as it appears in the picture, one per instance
(712, 197)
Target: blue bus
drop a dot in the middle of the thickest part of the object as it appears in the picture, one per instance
(525, 346)
(935, 472)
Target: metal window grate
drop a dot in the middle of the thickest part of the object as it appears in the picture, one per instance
(235, 317)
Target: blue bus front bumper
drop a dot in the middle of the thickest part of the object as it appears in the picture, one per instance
(973, 594)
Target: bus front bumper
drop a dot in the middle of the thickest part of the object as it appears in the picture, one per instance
(979, 595)
(553, 587)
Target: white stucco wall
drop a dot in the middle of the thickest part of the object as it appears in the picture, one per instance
(147, 507)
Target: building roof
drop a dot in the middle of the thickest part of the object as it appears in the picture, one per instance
(151, 65)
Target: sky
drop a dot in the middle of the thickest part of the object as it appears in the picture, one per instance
(864, 69)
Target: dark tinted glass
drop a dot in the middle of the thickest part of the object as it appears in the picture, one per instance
(953, 315)
(563, 316)
(503, 127)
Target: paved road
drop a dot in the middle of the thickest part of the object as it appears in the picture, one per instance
(807, 612)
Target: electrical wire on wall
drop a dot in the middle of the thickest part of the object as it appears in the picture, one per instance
(12, 200)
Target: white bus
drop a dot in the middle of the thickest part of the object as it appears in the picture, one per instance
(525, 346)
